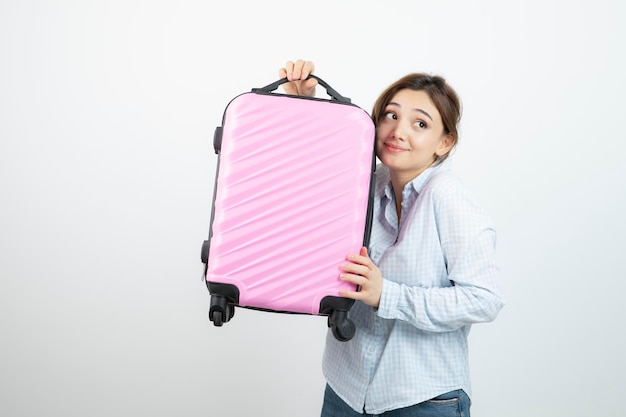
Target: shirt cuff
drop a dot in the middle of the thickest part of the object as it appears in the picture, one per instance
(388, 299)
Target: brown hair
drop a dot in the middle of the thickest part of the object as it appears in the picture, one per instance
(441, 94)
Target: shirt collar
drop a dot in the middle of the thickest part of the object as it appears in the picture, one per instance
(422, 179)
(417, 184)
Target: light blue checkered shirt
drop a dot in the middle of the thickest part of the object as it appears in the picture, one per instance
(440, 276)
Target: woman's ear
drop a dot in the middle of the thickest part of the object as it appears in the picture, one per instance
(445, 144)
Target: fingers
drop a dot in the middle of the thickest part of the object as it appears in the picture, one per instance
(355, 269)
(297, 73)
(362, 259)
(368, 293)
(307, 69)
(356, 279)
(308, 86)
(288, 70)
(298, 70)
(362, 272)
(355, 295)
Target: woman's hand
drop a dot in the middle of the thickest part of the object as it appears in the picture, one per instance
(297, 73)
(362, 271)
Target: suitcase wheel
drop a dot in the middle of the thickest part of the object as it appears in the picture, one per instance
(220, 311)
(218, 318)
(342, 327)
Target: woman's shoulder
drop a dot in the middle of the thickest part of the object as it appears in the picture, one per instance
(448, 191)
(441, 183)
(450, 194)
(444, 183)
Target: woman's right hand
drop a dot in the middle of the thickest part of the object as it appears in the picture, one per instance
(297, 73)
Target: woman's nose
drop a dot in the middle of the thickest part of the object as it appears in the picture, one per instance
(399, 131)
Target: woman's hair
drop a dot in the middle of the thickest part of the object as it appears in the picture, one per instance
(441, 94)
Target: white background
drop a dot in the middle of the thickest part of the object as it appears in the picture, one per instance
(107, 111)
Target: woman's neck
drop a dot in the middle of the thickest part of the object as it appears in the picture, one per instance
(399, 179)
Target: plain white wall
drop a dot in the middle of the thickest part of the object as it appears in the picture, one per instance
(107, 168)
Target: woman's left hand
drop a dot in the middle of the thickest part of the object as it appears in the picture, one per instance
(363, 272)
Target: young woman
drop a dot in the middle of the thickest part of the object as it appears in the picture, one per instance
(429, 272)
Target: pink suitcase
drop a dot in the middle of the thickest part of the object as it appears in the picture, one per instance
(292, 198)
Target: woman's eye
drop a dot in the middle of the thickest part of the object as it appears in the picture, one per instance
(390, 115)
(420, 124)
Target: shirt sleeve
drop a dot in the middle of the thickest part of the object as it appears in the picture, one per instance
(468, 242)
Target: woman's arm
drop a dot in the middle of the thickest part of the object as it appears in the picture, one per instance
(474, 296)
(468, 241)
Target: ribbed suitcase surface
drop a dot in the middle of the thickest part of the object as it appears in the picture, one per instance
(291, 199)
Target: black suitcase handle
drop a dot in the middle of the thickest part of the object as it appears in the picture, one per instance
(329, 90)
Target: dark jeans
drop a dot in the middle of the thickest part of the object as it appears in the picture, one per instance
(451, 404)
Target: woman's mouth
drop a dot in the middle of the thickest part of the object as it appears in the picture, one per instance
(393, 148)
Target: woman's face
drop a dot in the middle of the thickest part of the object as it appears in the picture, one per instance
(410, 134)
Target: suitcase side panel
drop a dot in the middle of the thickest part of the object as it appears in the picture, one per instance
(291, 199)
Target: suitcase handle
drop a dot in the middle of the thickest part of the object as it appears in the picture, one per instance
(329, 90)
